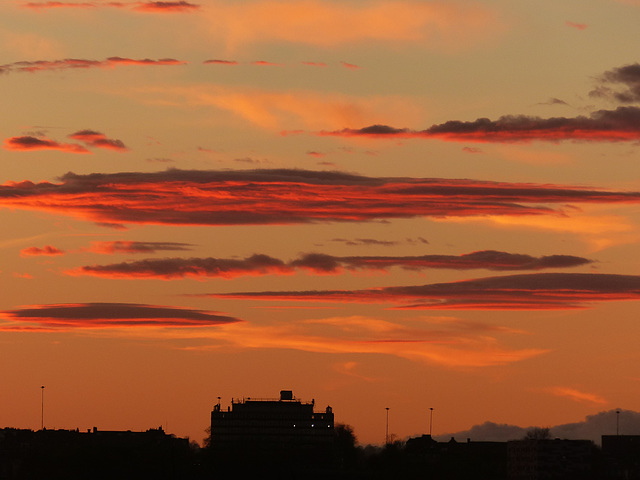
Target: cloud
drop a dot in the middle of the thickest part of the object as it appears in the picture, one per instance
(54, 4)
(145, 7)
(110, 315)
(264, 63)
(450, 344)
(577, 26)
(122, 246)
(76, 63)
(317, 263)
(98, 140)
(283, 110)
(591, 428)
(165, 7)
(169, 268)
(350, 66)
(435, 25)
(537, 291)
(220, 62)
(46, 250)
(621, 124)
(577, 395)
(29, 143)
(627, 76)
(281, 196)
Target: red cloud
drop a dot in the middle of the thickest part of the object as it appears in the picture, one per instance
(320, 264)
(621, 124)
(52, 4)
(29, 143)
(98, 140)
(121, 246)
(577, 26)
(538, 291)
(165, 7)
(263, 63)
(46, 250)
(350, 66)
(145, 7)
(254, 197)
(221, 62)
(75, 63)
(112, 315)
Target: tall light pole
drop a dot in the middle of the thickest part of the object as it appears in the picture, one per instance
(430, 420)
(42, 407)
(617, 422)
(386, 435)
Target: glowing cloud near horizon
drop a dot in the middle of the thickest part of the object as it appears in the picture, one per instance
(278, 197)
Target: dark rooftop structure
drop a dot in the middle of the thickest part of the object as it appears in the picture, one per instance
(283, 428)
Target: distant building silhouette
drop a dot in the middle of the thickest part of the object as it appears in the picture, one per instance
(621, 456)
(281, 429)
(551, 459)
(94, 454)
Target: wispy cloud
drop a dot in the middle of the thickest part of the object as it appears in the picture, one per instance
(320, 264)
(47, 250)
(29, 143)
(252, 197)
(577, 26)
(437, 25)
(619, 125)
(282, 110)
(98, 140)
(169, 268)
(108, 315)
(454, 345)
(627, 77)
(90, 138)
(537, 291)
(577, 395)
(77, 63)
(144, 7)
(124, 246)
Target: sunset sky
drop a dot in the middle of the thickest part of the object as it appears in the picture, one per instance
(408, 204)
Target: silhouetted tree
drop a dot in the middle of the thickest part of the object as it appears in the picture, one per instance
(538, 433)
(345, 445)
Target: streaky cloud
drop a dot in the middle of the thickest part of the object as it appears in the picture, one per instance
(536, 291)
(98, 140)
(78, 63)
(281, 196)
(47, 250)
(124, 246)
(145, 7)
(112, 315)
(319, 264)
(619, 125)
(628, 76)
(29, 143)
(169, 268)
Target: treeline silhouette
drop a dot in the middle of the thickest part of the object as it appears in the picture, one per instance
(97, 455)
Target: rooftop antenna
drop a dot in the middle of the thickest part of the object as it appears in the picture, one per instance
(42, 407)
(386, 435)
(430, 420)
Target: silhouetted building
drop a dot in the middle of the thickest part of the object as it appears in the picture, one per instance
(621, 456)
(534, 459)
(456, 460)
(95, 454)
(273, 429)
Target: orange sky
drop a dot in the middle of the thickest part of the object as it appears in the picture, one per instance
(403, 204)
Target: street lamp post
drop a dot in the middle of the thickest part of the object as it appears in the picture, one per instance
(430, 420)
(42, 407)
(386, 435)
